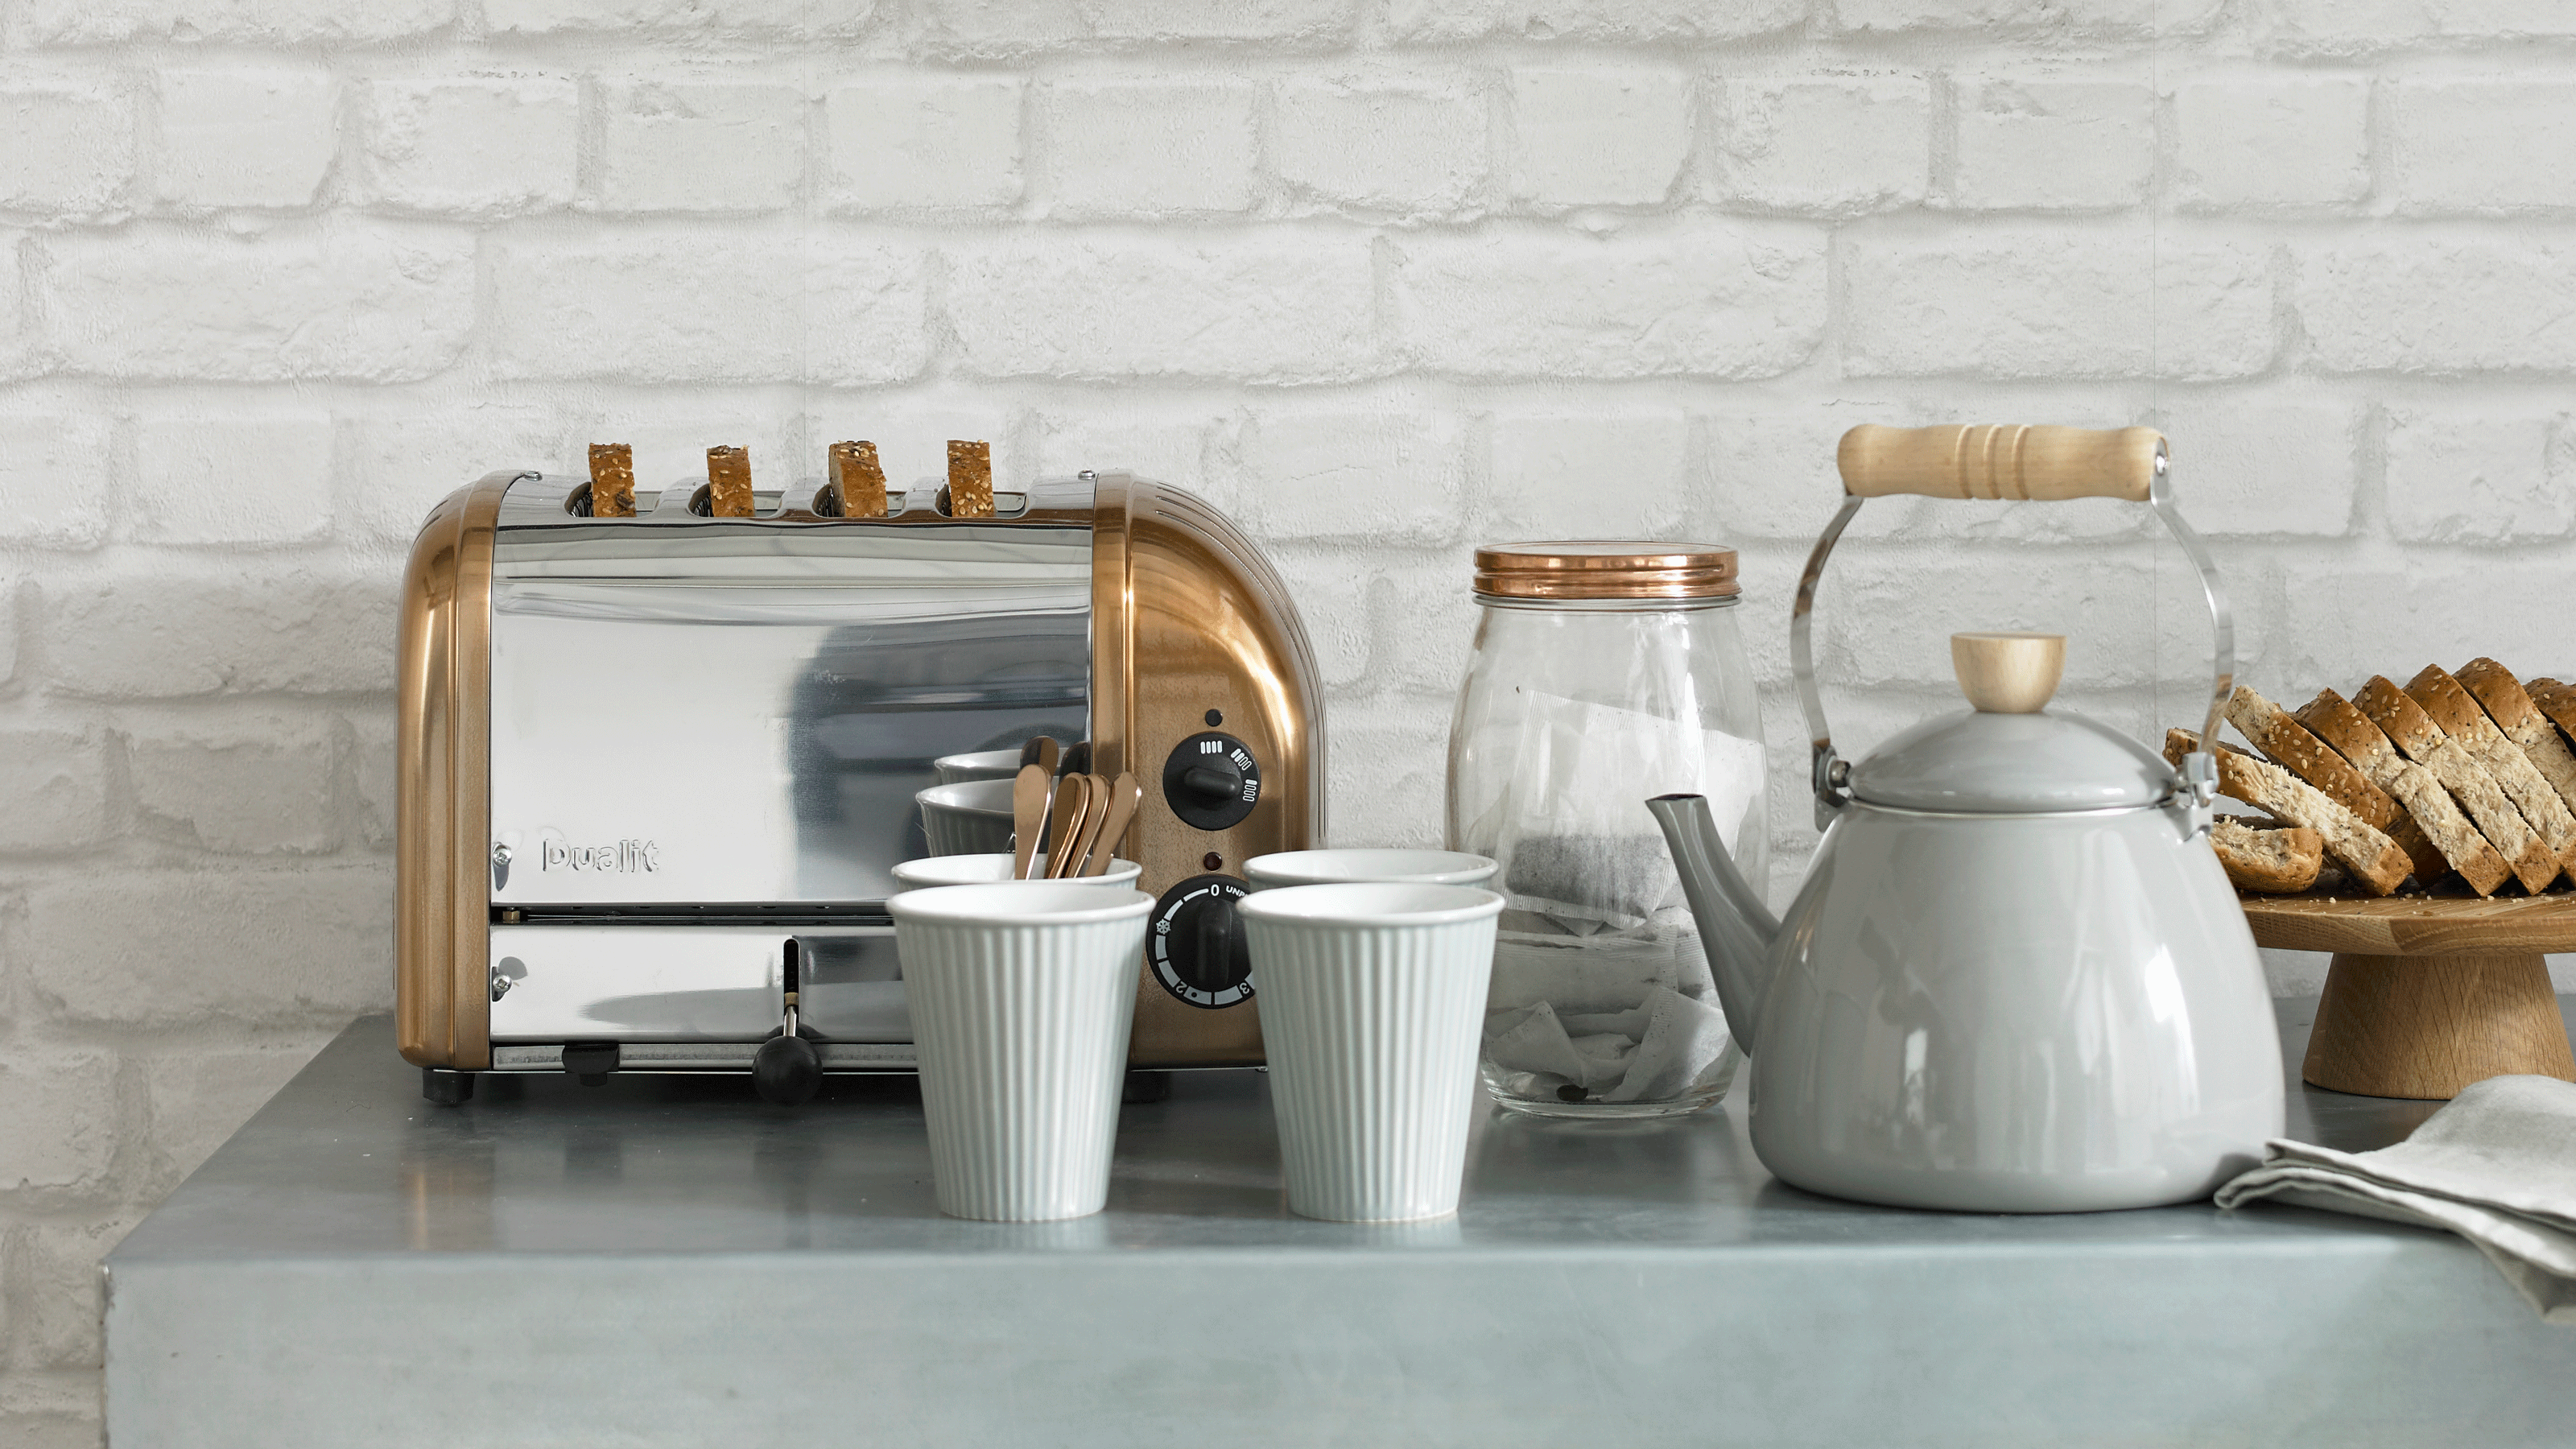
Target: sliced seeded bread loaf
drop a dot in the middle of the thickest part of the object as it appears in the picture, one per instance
(2412, 730)
(2460, 717)
(2509, 705)
(2281, 860)
(2374, 860)
(2333, 719)
(2290, 745)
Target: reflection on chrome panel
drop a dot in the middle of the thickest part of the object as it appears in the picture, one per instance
(751, 707)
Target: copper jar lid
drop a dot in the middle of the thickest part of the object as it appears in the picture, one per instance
(1607, 570)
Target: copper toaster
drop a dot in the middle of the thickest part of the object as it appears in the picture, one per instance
(655, 771)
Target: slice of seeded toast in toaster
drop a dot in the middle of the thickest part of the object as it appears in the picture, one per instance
(612, 480)
(2413, 732)
(2333, 719)
(729, 492)
(2291, 746)
(2373, 860)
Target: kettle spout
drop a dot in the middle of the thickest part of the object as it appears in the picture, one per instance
(1734, 924)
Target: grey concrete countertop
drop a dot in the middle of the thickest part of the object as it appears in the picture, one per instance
(668, 1261)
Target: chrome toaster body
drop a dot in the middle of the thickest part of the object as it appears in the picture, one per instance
(650, 766)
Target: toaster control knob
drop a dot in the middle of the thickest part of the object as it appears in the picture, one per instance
(1211, 780)
(1195, 945)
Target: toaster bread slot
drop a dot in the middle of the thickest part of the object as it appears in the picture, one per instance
(728, 492)
(854, 483)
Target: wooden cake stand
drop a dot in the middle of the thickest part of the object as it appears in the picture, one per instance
(2427, 993)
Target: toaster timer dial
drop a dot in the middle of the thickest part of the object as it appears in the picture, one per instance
(1196, 945)
(1211, 780)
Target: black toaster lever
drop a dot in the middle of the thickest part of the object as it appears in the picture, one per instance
(787, 1069)
(591, 1061)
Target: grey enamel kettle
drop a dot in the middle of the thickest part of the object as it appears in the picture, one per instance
(2015, 978)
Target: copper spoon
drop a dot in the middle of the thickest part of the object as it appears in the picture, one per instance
(1028, 812)
(1064, 828)
(1124, 795)
(1095, 796)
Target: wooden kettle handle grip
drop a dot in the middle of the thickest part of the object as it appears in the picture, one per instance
(2008, 461)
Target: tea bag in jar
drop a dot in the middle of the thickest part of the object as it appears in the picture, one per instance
(1576, 845)
(1599, 977)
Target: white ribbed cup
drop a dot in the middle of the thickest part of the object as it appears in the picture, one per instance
(1021, 995)
(978, 765)
(1371, 1001)
(972, 817)
(1338, 867)
(947, 870)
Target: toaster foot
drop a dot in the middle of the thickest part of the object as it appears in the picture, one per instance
(446, 1088)
(591, 1061)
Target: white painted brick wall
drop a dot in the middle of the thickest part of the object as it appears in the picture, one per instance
(1147, 147)
(54, 464)
(1614, 135)
(1709, 299)
(2047, 144)
(1824, 145)
(1381, 278)
(906, 141)
(342, 297)
(473, 147)
(71, 147)
(1411, 146)
(669, 145)
(2272, 140)
(246, 137)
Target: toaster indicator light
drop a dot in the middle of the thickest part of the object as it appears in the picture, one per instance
(1211, 781)
(1197, 947)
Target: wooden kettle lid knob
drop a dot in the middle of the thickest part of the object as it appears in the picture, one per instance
(2008, 673)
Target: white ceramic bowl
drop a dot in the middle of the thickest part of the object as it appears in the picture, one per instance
(1351, 867)
(972, 817)
(1021, 995)
(1372, 999)
(978, 765)
(948, 870)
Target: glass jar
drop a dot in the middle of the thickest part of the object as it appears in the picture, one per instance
(1603, 674)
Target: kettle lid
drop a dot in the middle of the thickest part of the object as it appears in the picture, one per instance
(2008, 755)
(1983, 763)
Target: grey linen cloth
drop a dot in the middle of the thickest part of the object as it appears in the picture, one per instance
(2497, 1165)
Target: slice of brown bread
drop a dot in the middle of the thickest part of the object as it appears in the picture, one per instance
(2333, 719)
(2556, 700)
(2280, 861)
(2509, 705)
(2374, 860)
(2413, 731)
(2458, 713)
(2304, 755)
(2290, 745)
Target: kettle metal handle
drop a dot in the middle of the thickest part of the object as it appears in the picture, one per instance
(2034, 463)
